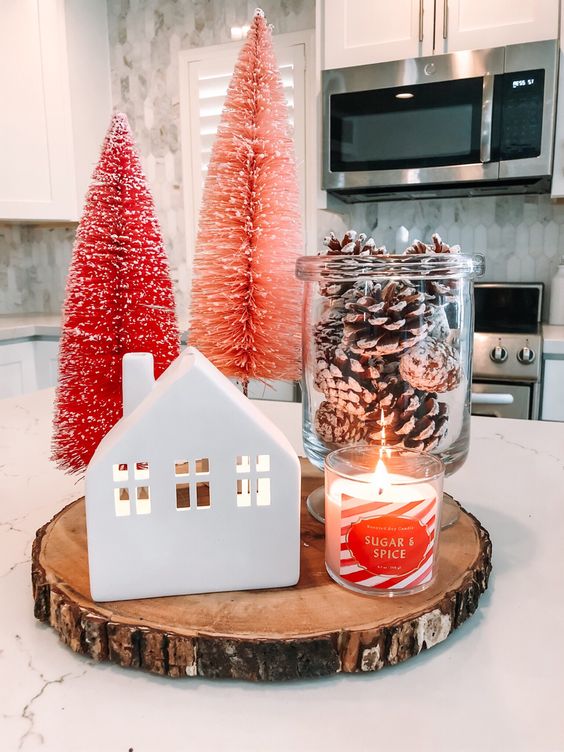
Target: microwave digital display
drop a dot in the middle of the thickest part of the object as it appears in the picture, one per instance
(517, 115)
(518, 82)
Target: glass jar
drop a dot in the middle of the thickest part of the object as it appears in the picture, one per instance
(387, 352)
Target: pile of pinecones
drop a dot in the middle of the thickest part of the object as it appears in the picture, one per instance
(382, 355)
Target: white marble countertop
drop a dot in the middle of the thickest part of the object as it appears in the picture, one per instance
(29, 325)
(553, 339)
(17, 326)
(495, 685)
(24, 325)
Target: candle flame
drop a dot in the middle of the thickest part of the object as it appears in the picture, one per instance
(381, 477)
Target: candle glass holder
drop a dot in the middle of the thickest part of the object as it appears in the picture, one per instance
(382, 528)
(387, 354)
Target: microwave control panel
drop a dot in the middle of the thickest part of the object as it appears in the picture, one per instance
(517, 115)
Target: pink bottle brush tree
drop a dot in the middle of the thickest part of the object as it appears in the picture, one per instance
(246, 302)
(119, 299)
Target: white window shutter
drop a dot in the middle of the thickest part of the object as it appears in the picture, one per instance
(205, 77)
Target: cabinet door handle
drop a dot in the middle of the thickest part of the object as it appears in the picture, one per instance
(420, 20)
(445, 19)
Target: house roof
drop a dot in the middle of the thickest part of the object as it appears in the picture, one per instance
(192, 381)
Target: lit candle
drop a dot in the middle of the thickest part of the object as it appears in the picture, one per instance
(382, 527)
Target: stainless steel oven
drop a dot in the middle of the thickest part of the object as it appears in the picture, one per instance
(507, 350)
(454, 124)
(503, 400)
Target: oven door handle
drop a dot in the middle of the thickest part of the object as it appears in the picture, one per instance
(487, 118)
(479, 398)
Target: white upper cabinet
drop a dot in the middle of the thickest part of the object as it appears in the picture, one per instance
(56, 105)
(477, 24)
(360, 32)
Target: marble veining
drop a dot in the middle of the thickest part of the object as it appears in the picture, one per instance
(34, 262)
(522, 237)
(53, 699)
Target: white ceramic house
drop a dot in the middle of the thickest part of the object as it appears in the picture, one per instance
(192, 491)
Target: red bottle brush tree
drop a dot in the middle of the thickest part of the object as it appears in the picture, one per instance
(119, 299)
(246, 302)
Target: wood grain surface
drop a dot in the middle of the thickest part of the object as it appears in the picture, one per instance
(314, 629)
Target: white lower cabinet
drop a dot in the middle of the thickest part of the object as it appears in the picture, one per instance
(27, 365)
(553, 390)
(46, 362)
(17, 369)
(277, 391)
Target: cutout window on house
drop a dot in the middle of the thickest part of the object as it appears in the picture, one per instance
(203, 495)
(122, 503)
(182, 496)
(182, 467)
(244, 464)
(141, 471)
(131, 474)
(254, 488)
(120, 472)
(243, 492)
(263, 463)
(142, 500)
(263, 492)
(192, 484)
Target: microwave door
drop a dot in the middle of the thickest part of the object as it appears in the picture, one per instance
(417, 122)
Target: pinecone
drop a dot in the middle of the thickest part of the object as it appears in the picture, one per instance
(441, 292)
(367, 329)
(431, 365)
(337, 427)
(385, 319)
(347, 381)
(354, 246)
(327, 334)
(436, 246)
(407, 417)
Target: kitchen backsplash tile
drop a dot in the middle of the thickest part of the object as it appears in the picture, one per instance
(145, 38)
(522, 237)
(34, 261)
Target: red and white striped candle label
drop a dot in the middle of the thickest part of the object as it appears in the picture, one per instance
(389, 546)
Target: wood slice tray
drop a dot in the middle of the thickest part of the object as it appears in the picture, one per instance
(314, 629)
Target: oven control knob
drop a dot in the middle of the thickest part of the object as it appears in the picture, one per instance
(526, 355)
(499, 354)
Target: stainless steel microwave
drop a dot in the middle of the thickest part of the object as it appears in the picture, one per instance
(463, 123)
